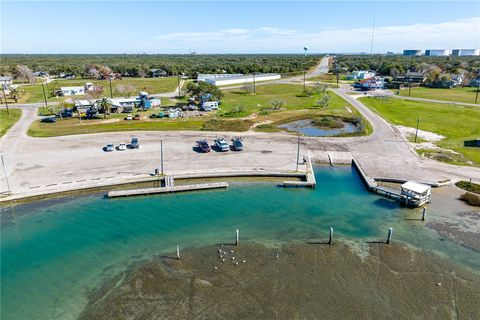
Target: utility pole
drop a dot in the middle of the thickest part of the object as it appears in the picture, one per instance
(161, 155)
(254, 87)
(5, 100)
(304, 74)
(298, 151)
(373, 32)
(416, 132)
(44, 95)
(409, 88)
(178, 81)
(111, 91)
(478, 88)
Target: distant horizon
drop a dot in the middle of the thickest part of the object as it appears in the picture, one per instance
(252, 27)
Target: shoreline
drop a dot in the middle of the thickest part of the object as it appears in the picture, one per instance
(321, 277)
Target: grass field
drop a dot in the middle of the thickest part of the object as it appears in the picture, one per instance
(34, 93)
(256, 108)
(456, 123)
(466, 94)
(8, 120)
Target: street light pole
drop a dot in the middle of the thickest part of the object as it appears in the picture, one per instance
(44, 95)
(161, 155)
(5, 99)
(416, 132)
(298, 151)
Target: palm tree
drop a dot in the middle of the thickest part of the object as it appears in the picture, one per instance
(105, 106)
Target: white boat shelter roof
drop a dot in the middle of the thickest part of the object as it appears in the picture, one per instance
(416, 187)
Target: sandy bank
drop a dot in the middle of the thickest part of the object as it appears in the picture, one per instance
(305, 281)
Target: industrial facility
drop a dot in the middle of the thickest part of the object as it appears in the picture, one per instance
(442, 52)
(238, 78)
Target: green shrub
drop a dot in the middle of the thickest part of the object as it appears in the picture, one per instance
(471, 198)
(469, 186)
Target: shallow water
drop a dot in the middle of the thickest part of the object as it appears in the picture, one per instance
(307, 128)
(53, 253)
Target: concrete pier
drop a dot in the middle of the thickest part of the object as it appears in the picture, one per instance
(309, 177)
(181, 188)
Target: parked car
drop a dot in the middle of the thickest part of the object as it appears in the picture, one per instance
(122, 146)
(109, 147)
(221, 144)
(49, 119)
(129, 117)
(137, 117)
(135, 144)
(237, 143)
(203, 145)
(66, 113)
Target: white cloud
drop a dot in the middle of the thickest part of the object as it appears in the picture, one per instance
(463, 33)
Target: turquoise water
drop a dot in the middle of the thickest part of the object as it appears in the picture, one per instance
(53, 253)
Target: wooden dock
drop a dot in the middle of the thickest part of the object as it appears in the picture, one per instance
(178, 188)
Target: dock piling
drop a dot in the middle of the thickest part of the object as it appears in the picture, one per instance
(237, 242)
(330, 236)
(424, 212)
(178, 252)
(389, 235)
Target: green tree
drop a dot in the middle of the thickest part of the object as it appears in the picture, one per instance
(323, 102)
(203, 88)
(104, 106)
(16, 94)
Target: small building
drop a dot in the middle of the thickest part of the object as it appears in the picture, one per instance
(412, 52)
(412, 77)
(157, 73)
(82, 106)
(6, 81)
(361, 75)
(72, 91)
(466, 52)
(416, 194)
(372, 84)
(209, 105)
(438, 53)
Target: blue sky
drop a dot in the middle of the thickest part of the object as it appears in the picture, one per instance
(235, 27)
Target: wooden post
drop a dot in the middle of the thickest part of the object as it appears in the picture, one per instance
(330, 236)
(237, 242)
(389, 235)
(178, 252)
(423, 213)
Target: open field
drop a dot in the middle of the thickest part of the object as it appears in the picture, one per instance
(255, 109)
(456, 123)
(8, 120)
(466, 94)
(34, 93)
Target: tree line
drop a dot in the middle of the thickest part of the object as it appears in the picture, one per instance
(139, 65)
(394, 65)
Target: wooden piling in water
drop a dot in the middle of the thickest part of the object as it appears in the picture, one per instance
(424, 212)
(237, 242)
(330, 236)
(389, 235)
(178, 252)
